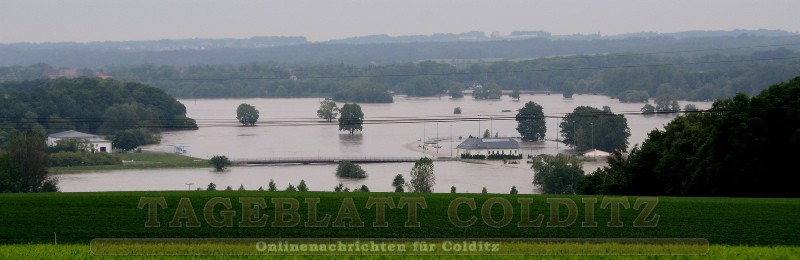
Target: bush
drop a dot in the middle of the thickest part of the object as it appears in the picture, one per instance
(348, 169)
(219, 162)
(504, 156)
(473, 156)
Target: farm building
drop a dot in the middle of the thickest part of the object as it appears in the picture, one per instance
(595, 153)
(488, 146)
(96, 143)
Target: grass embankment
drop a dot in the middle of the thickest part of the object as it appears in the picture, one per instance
(143, 160)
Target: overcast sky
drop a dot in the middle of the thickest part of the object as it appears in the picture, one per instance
(318, 20)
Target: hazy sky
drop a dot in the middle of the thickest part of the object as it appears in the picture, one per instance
(115, 20)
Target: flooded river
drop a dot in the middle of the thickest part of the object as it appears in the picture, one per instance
(289, 128)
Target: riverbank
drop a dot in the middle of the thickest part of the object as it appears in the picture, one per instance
(142, 160)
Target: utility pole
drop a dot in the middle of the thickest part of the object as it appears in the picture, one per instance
(190, 185)
(479, 127)
(437, 138)
(592, 124)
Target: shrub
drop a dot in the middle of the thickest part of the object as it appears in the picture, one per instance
(348, 169)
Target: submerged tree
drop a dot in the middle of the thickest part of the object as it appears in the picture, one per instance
(348, 169)
(514, 94)
(588, 127)
(530, 122)
(219, 162)
(247, 114)
(328, 110)
(351, 118)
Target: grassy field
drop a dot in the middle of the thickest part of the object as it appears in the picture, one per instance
(81, 217)
(143, 160)
(82, 251)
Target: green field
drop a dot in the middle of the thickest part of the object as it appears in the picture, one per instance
(80, 251)
(143, 160)
(737, 227)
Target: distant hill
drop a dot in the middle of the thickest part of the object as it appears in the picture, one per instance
(377, 49)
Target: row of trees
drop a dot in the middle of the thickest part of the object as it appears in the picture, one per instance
(351, 117)
(270, 187)
(627, 77)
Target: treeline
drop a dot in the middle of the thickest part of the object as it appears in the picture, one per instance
(742, 147)
(89, 105)
(631, 78)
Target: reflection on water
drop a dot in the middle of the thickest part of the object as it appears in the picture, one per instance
(379, 139)
(350, 139)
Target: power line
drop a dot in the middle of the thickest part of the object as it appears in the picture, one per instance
(409, 120)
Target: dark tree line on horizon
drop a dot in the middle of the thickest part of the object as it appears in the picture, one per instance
(628, 77)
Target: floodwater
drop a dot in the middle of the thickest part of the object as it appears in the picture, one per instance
(288, 127)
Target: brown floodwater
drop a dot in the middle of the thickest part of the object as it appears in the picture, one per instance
(289, 128)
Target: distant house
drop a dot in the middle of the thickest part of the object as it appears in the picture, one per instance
(96, 143)
(488, 146)
(595, 153)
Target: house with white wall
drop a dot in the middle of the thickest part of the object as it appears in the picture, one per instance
(96, 143)
(489, 146)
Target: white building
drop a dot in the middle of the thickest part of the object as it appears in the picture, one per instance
(96, 143)
(489, 146)
(595, 153)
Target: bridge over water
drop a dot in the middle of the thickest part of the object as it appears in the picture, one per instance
(324, 160)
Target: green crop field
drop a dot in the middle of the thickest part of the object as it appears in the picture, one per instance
(735, 227)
